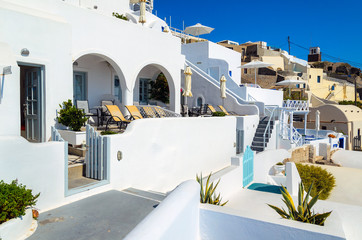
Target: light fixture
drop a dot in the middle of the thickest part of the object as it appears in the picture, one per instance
(75, 63)
(24, 52)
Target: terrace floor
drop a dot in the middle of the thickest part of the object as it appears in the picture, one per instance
(109, 215)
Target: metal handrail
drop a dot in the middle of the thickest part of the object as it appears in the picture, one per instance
(298, 105)
(214, 81)
(272, 116)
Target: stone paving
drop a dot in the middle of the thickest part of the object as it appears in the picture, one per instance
(109, 215)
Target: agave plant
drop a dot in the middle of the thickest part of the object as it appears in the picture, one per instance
(207, 194)
(303, 212)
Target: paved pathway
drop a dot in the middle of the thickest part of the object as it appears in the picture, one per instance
(109, 215)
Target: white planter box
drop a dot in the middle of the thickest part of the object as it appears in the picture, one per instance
(17, 228)
(74, 138)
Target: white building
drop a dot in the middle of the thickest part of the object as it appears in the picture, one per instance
(71, 51)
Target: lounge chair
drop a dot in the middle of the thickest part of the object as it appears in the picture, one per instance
(148, 112)
(116, 116)
(212, 109)
(226, 112)
(204, 110)
(135, 113)
(84, 105)
(104, 113)
(160, 112)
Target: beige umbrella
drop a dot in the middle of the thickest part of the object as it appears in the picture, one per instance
(223, 88)
(198, 30)
(142, 18)
(188, 74)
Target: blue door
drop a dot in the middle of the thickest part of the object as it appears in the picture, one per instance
(79, 86)
(248, 166)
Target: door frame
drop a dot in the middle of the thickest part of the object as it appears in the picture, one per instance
(85, 75)
(41, 98)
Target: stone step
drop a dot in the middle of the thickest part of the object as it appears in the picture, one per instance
(260, 139)
(76, 171)
(257, 149)
(257, 144)
(156, 196)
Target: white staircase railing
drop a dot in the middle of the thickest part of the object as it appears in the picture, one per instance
(297, 105)
(270, 111)
(293, 135)
(214, 81)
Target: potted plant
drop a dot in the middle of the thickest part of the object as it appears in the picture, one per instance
(16, 215)
(74, 119)
(279, 168)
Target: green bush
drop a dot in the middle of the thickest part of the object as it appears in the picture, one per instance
(218, 114)
(359, 104)
(14, 199)
(321, 179)
(70, 116)
(108, 132)
(120, 16)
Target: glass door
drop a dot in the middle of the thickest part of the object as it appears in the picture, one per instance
(79, 86)
(143, 91)
(32, 107)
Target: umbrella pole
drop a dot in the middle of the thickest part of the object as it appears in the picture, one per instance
(255, 77)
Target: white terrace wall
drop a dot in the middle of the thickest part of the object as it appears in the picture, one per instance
(39, 166)
(158, 154)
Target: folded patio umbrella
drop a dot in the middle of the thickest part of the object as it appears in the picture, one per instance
(188, 74)
(223, 87)
(142, 18)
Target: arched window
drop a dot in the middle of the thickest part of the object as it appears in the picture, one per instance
(199, 101)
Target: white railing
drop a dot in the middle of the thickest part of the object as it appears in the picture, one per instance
(293, 135)
(297, 105)
(270, 111)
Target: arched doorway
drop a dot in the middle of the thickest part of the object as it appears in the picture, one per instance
(154, 86)
(97, 77)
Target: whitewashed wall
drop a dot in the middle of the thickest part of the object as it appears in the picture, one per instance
(39, 166)
(248, 124)
(267, 96)
(10, 101)
(264, 161)
(177, 217)
(225, 223)
(351, 159)
(158, 154)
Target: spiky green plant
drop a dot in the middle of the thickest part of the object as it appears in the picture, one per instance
(207, 193)
(303, 212)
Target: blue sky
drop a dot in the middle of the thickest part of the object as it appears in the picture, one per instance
(334, 26)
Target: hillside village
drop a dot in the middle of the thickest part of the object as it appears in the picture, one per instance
(164, 134)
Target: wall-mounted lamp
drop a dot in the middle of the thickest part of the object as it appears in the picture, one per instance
(6, 71)
(24, 52)
(119, 155)
(75, 63)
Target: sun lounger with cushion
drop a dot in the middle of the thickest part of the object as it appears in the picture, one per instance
(116, 116)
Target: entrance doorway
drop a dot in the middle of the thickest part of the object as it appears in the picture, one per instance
(32, 102)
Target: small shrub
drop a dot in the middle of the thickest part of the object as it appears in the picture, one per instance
(14, 199)
(207, 194)
(218, 114)
(120, 16)
(331, 136)
(108, 132)
(70, 116)
(323, 180)
(279, 164)
(303, 212)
